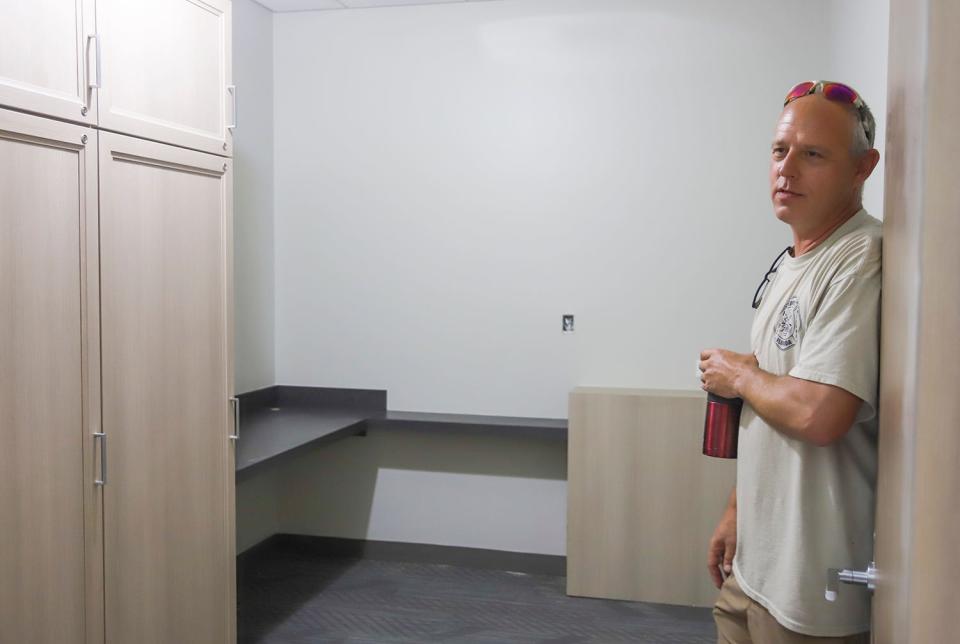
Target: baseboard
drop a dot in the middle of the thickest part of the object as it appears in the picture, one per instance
(524, 562)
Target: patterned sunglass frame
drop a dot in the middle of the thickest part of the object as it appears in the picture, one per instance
(834, 91)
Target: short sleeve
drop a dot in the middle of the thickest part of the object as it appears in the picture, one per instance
(841, 344)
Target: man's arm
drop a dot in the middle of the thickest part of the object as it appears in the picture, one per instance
(809, 411)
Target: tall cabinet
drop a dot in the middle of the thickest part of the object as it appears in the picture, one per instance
(116, 466)
(50, 540)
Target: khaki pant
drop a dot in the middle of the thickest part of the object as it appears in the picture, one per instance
(740, 620)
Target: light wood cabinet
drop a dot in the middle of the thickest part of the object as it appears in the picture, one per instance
(166, 71)
(642, 501)
(155, 69)
(45, 58)
(116, 464)
(164, 215)
(50, 547)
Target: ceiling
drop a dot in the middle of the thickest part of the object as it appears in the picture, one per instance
(314, 5)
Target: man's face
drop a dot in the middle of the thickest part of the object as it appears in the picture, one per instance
(814, 175)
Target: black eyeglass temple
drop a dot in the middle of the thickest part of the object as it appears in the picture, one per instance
(758, 295)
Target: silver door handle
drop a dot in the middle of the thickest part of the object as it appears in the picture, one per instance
(233, 101)
(95, 84)
(235, 402)
(102, 438)
(866, 578)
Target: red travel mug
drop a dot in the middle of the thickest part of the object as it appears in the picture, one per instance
(721, 427)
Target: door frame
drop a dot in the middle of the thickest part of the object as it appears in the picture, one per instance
(918, 478)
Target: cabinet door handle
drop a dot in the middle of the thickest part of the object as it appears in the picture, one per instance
(235, 402)
(95, 84)
(102, 438)
(233, 106)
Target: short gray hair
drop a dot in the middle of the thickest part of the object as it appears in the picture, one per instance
(864, 130)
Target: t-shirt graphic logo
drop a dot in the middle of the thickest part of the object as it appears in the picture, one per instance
(788, 328)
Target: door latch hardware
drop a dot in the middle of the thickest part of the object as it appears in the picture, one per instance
(866, 578)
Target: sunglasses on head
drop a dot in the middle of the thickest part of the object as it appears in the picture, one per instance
(837, 92)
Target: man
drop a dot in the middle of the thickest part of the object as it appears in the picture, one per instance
(806, 469)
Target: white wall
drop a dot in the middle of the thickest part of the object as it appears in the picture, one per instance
(451, 179)
(430, 487)
(253, 196)
(860, 30)
(257, 510)
(258, 506)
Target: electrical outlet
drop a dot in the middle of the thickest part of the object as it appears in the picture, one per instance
(568, 323)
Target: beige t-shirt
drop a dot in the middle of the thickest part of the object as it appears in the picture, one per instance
(802, 509)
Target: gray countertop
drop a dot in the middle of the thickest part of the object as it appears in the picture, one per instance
(279, 420)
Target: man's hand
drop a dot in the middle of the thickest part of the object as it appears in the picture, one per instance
(723, 545)
(723, 371)
(805, 410)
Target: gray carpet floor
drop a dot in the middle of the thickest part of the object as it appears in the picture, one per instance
(291, 596)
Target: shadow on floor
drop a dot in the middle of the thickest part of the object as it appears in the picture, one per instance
(290, 594)
(275, 579)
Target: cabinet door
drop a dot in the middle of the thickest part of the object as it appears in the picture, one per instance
(166, 68)
(50, 566)
(626, 448)
(165, 246)
(44, 53)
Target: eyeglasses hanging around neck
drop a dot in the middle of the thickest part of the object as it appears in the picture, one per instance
(758, 296)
